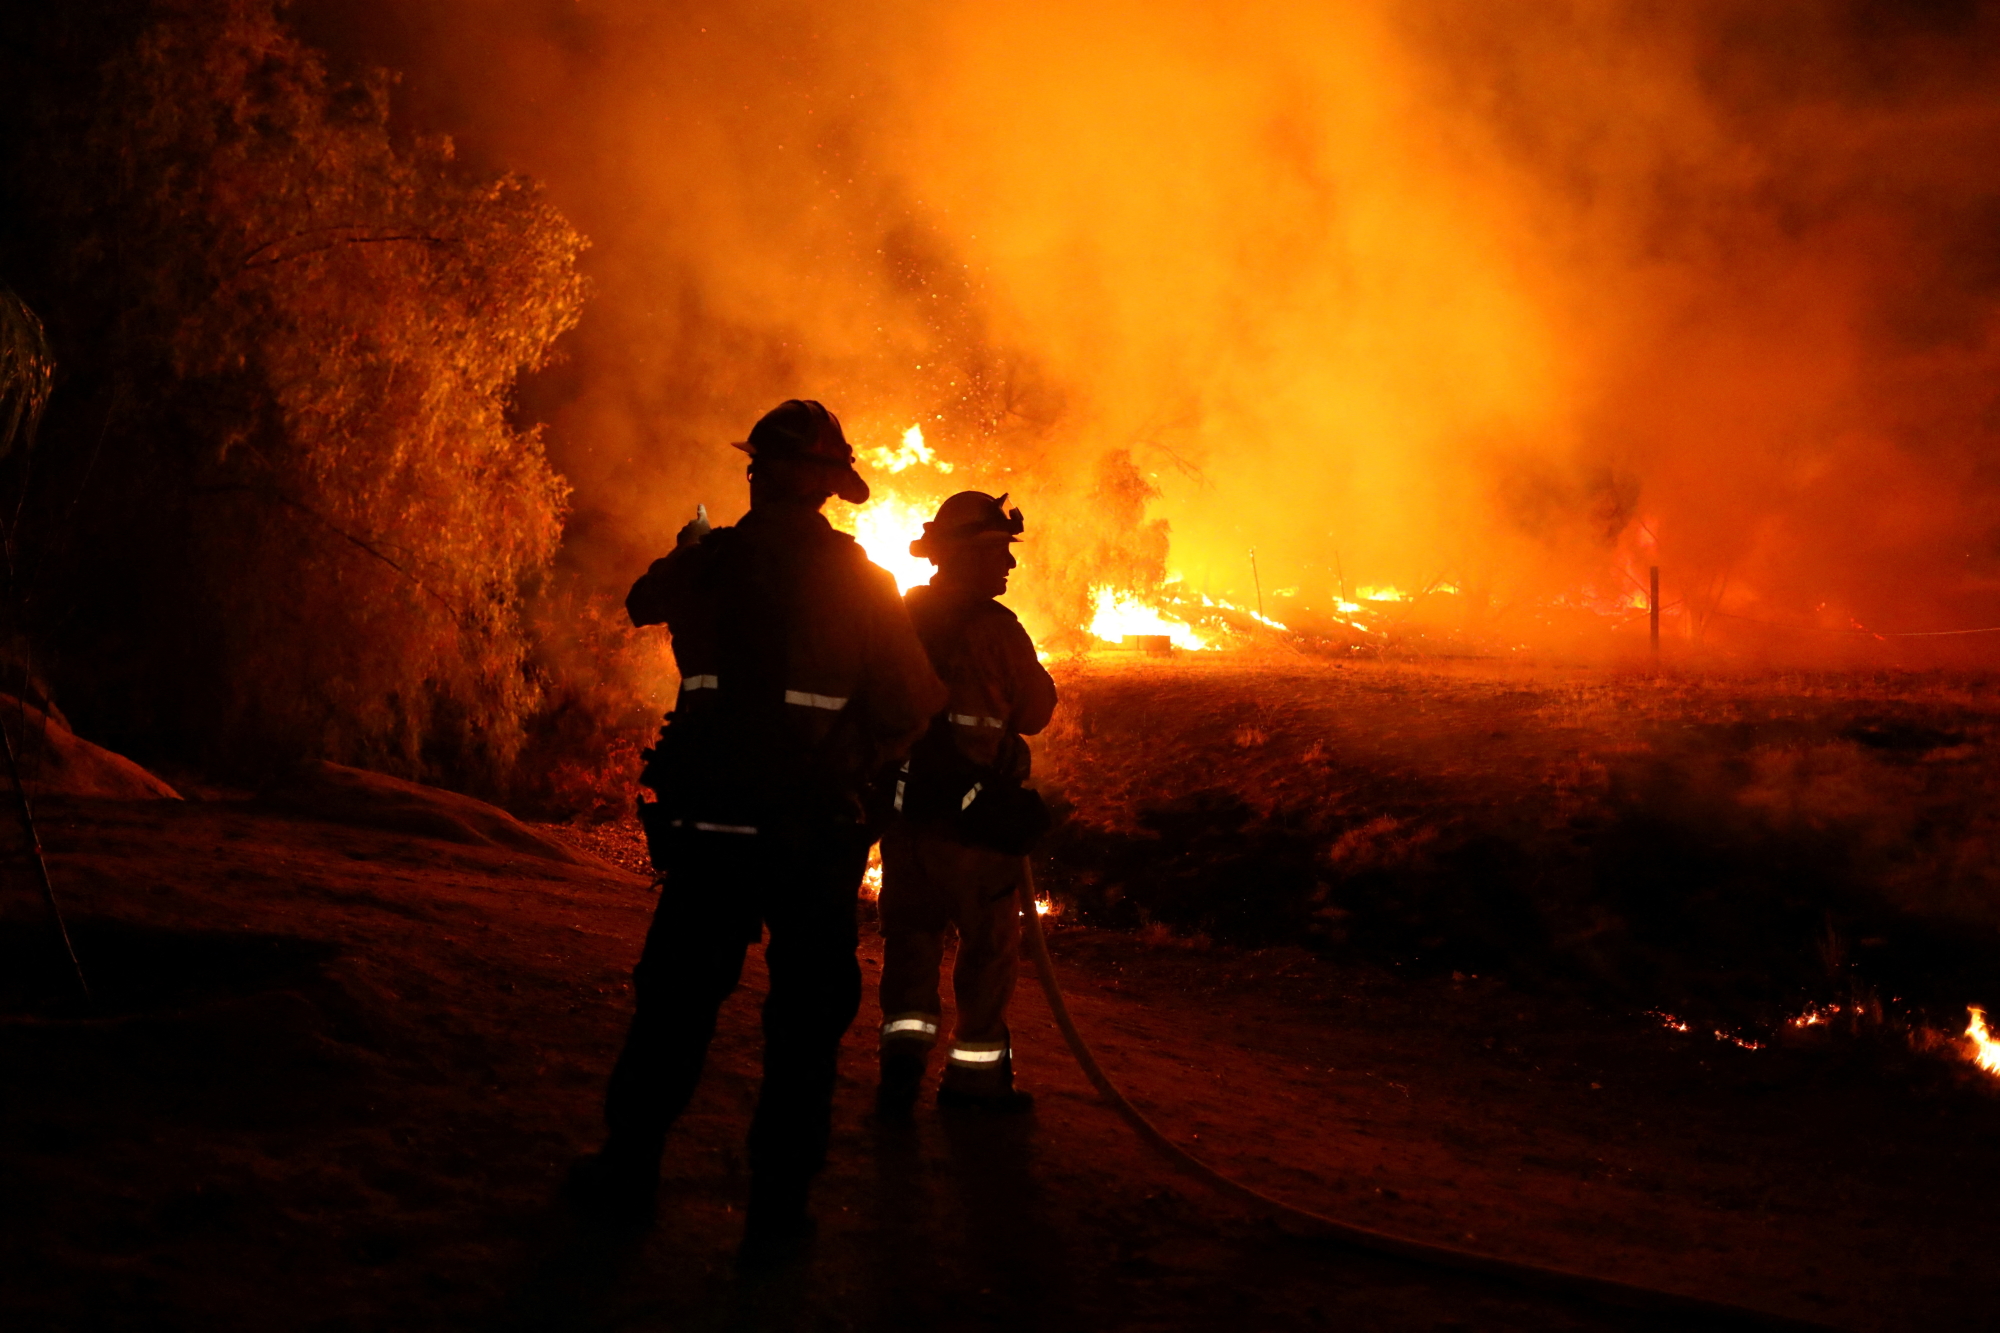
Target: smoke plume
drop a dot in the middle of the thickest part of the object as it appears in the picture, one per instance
(1518, 296)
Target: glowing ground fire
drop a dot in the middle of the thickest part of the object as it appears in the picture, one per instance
(1985, 1048)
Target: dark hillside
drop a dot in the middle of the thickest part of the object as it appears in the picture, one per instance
(1735, 849)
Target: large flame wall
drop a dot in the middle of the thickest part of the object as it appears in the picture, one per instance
(1505, 294)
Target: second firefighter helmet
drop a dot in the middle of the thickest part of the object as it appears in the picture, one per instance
(966, 517)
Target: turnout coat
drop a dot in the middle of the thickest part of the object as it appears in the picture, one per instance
(801, 677)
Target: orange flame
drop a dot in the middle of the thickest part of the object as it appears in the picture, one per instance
(888, 523)
(885, 527)
(1985, 1049)
(914, 452)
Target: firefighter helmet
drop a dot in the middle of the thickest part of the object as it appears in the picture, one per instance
(969, 516)
(801, 430)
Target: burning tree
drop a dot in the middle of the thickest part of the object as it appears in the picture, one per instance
(288, 512)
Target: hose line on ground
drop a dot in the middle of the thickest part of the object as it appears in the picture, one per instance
(1553, 1280)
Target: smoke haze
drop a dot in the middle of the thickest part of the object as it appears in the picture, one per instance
(1520, 296)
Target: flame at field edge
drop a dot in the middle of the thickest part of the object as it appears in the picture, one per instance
(1985, 1048)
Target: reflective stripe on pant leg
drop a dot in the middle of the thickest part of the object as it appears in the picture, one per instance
(913, 1027)
(978, 1054)
(981, 1068)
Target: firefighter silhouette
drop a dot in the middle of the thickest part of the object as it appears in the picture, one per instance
(800, 678)
(957, 854)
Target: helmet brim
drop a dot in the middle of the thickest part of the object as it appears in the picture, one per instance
(845, 481)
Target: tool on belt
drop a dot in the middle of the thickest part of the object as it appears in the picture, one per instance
(981, 805)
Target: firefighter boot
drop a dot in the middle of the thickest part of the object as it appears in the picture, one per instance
(980, 1077)
(902, 1080)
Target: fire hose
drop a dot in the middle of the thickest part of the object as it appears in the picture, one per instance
(1554, 1280)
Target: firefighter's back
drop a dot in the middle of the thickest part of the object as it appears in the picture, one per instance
(797, 675)
(800, 674)
(957, 859)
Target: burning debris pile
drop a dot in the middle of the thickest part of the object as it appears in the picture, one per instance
(1086, 589)
(1123, 605)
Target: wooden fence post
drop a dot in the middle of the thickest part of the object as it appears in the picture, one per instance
(1653, 610)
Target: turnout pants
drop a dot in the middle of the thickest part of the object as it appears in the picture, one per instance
(931, 884)
(720, 892)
